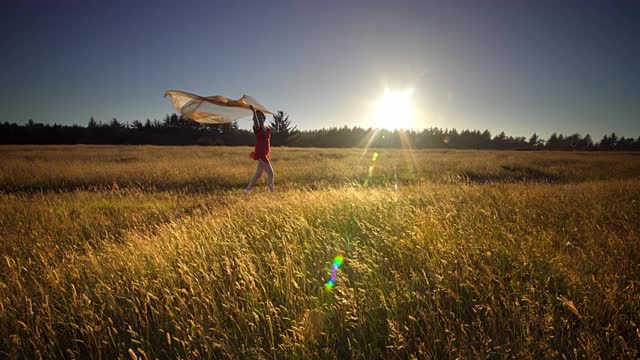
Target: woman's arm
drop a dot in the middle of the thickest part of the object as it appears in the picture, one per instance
(255, 118)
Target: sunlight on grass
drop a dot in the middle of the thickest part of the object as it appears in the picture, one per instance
(450, 266)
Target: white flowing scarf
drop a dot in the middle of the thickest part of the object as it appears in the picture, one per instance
(213, 109)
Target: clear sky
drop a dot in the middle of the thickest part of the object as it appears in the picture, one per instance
(543, 66)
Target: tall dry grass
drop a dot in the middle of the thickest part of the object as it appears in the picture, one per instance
(453, 267)
(64, 168)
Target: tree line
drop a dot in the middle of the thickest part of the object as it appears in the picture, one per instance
(176, 130)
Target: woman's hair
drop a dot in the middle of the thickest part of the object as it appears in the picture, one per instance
(260, 115)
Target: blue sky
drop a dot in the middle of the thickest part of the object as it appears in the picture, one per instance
(543, 66)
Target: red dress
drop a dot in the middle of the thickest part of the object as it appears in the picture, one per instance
(263, 144)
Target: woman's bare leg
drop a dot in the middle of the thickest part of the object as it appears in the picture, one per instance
(256, 176)
(269, 170)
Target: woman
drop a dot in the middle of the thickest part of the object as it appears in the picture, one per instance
(262, 150)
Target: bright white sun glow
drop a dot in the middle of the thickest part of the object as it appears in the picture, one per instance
(394, 110)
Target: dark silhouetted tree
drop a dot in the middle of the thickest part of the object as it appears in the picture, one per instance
(608, 142)
(115, 124)
(613, 140)
(535, 141)
(625, 144)
(586, 143)
(573, 141)
(137, 125)
(500, 141)
(282, 132)
(553, 142)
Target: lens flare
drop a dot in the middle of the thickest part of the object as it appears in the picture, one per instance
(372, 166)
(395, 177)
(337, 262)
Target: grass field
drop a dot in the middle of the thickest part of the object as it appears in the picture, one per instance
(145, 252)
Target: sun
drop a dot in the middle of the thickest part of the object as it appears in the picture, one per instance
(394, 110)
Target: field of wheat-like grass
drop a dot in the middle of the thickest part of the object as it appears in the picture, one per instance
(153, 252)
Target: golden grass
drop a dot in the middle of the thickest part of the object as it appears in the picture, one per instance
(500, 263)
(34, 168)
